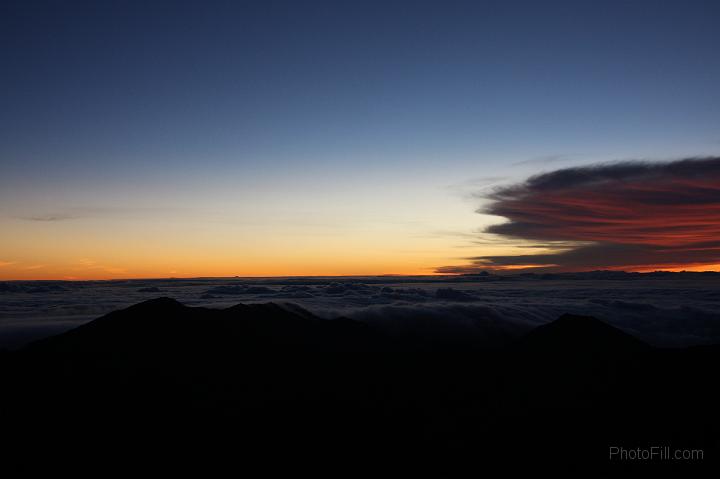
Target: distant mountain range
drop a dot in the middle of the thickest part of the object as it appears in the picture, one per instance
(165, 325)
(276, 382)
(595, 275)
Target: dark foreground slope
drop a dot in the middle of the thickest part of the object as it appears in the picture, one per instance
(274, 385)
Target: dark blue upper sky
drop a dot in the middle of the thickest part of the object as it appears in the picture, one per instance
(171, 100)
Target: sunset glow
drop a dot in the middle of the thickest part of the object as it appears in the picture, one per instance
(260, 140)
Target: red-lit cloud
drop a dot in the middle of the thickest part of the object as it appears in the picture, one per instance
(630, 215)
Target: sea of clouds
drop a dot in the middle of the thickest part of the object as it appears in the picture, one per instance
(664, 311)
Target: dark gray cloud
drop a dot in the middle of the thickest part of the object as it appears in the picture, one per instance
(633, 215)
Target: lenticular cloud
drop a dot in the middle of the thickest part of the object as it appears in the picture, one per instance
(628, 215)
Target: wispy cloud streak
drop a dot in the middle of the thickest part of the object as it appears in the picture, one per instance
(48, 217)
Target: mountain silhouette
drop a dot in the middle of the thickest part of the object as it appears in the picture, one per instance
(577, 334)
(165, 325)
(270, 382)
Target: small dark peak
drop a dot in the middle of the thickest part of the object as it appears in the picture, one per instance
(239, 307)
(271, 309)
(297, 310)
(148, 312)
(246, 309)
(580, 334)
(141, 326)
(268, 316)
(161, 303)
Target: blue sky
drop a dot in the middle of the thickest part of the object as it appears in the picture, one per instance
(336, 113)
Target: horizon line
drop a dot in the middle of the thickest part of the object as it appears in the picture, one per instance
(384, 275)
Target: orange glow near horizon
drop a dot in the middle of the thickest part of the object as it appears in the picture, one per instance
(82, 255)
(259, 238)
(630, 222)
(86, 271)
(91, 270)
(697, 268)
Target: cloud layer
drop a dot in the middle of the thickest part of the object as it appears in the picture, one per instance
(628, 215)
(669, 310)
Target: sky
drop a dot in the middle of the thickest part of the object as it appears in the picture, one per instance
(180, 139)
